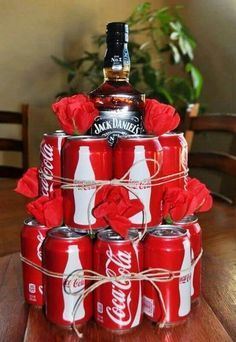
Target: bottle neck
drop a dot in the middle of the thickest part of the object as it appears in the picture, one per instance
(116, 62)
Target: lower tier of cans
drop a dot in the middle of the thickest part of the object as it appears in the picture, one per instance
(122, 291)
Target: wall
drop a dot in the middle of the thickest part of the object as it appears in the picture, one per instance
(32, 32)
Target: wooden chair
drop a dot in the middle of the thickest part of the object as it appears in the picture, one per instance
(224, 163)
(21, 118)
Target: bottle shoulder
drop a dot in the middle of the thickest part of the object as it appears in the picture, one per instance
(115, 88)
(117, 94)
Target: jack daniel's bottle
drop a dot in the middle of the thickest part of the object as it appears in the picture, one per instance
(120, 105)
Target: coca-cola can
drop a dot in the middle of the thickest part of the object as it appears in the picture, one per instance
(32, 237)
(118, 303)
(175, 160)
(168, 247)
(64, 252)
(86, 159)
(50, 161)
(190, 223)
(140, 158)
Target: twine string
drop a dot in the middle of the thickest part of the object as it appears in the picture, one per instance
(69, 184)
(152, 275)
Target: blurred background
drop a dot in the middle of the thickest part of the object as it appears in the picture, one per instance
(32, 31)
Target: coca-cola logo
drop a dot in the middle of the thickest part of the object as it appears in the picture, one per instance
(143, 184)
(184, 162)
(185, 279)
(40, 289)
(40, 238)
(119, 264)
(74, 283)
(46, 168)
(86, 185)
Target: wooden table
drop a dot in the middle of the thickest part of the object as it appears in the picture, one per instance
(214, 319)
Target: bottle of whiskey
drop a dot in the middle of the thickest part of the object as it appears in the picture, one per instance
(120, 105)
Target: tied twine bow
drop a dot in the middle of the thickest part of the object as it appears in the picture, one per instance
(68, 183)
(152, 275)
(130, 185)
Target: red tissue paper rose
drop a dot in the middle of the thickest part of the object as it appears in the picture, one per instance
(28, 185)
(178, 203)
(48, 211)
(117, 208)
(159, 118)
(76, 114)
(201, 193)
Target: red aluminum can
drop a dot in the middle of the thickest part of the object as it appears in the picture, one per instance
(175, 159)
(131, 153)
(32, 237)
(85, 159)
(118, 304)
(64, 252)
(190, 223)
(50, 161)
(168, 247)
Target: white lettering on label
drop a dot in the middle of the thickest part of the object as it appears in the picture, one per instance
(115, 124)
(47, 168)
(119, 312)
(40, 238)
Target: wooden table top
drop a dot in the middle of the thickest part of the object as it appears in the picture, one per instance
(212, 320)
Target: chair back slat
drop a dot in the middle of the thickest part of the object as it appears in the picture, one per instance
(216, 160)
(10, 172)
(10, 117)
(217, 123)
(6, 144)
(10, 145)
(222, 162)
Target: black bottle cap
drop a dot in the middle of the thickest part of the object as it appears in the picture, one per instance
(117, 32)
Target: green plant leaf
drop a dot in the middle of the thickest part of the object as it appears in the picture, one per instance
(135, 77)
(196, 77)
(71, 75)
(185, 47)
(175, 53)
(149, 75)
(140, 14)
(62, 63)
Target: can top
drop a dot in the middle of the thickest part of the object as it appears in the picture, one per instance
(110, 235)
(64, 233)
(57, 133)
(187, 220)
(138, 136)
(32, 222)
(172, 134)
(86, 137)
(168, 231)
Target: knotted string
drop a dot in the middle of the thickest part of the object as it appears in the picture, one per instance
(152, 275)
(70, 184)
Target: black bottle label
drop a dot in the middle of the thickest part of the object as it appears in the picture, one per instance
(117, 58)
(112, 124)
